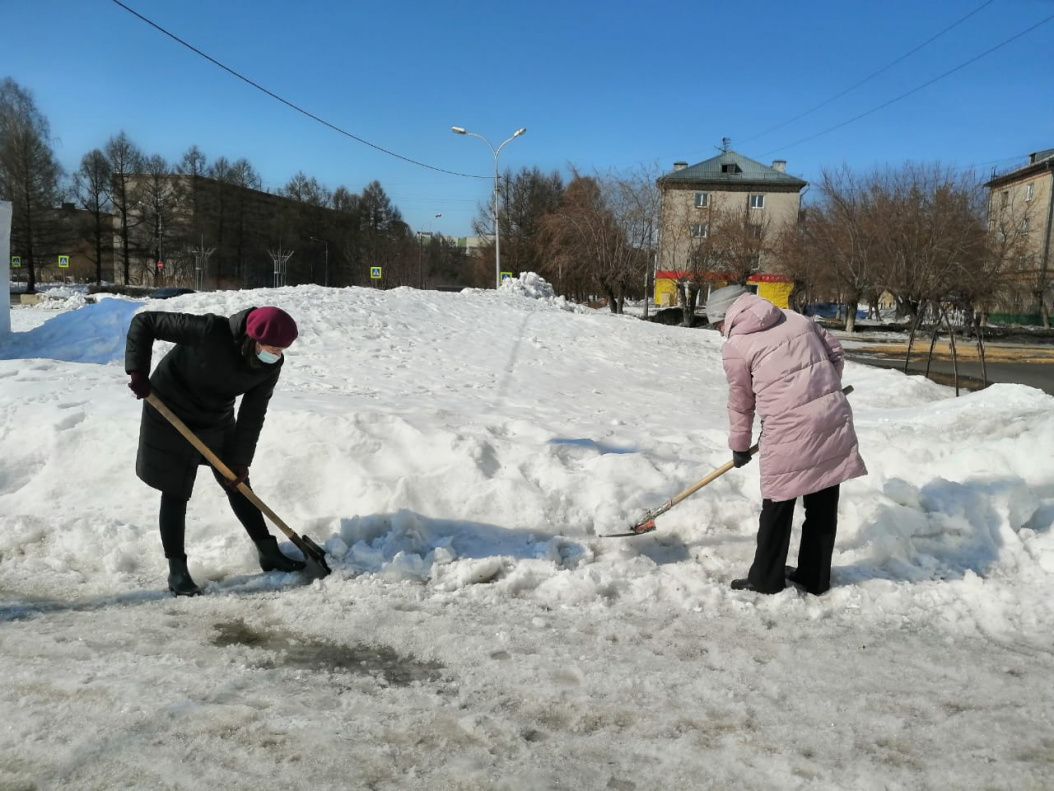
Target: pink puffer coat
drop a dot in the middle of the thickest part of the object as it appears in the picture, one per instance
(789, 370)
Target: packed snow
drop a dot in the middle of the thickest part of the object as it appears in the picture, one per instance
(459, 457)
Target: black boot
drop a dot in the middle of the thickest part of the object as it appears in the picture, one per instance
(272, 559)
(179, 581)
(791, 573)
(746, 585)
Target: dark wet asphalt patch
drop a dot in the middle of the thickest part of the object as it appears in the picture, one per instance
(288, 650)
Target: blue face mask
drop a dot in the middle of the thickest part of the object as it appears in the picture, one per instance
(267, 357)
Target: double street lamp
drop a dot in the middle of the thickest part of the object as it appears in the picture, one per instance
(457, 130)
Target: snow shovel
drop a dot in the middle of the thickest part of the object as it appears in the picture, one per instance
(314, 555)
(647, 522)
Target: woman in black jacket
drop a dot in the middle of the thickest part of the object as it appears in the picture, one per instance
(215, 359)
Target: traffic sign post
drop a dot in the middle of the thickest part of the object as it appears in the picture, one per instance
(64, 262)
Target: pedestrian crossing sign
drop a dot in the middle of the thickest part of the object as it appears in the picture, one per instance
(16, 262)
(506, 276)
(375, 273)
(64, 261)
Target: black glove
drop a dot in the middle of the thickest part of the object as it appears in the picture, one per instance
(741, 457)
(241, 475)
(140, 384)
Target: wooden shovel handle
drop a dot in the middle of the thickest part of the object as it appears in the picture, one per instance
(655, 512)
(216, 462)
(724, 468)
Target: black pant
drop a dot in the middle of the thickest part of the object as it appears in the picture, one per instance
(816, 548)
(173, 519)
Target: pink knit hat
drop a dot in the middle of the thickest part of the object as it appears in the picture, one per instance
(271, 326)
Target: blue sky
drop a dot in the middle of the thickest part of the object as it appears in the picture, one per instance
(615, 85)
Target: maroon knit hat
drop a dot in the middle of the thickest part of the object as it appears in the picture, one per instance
(271, 326)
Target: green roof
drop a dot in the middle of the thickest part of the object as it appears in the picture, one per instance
(730, 167)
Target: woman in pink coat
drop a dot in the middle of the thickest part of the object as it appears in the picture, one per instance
(788, 370)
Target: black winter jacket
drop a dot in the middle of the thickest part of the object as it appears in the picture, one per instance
(198, 379)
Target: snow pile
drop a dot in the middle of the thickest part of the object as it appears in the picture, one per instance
(80, 332)
(528, 284)
(458, 455)
(60, 299)
(533, 286)
(57, 297)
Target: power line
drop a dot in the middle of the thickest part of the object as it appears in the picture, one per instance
(913, 90)
(870, 77)
(288, 103)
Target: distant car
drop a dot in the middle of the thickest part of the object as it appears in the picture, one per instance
(169, 291)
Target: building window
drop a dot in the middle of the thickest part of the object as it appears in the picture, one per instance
(1024, 226)
(757, 201)
(1004, 198)
(1030, 190)
(730, 168)
(700, 230)
(702, 200)
(754, 231)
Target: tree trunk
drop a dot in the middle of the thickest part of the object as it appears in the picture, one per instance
(911, 340)
(687, 309)
(955, 357)
(850, 315)
(647, 290)
(933, 342)
(979, 335)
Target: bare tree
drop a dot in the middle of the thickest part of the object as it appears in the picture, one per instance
(29, 173)
(385, 238)
(345, 239)
(585, 224)
(125, 161)
(740, 239)
(91, 186)
(242, 176)
(841, 233)
(156, 207)
(634, 200)
(722, 243)
(523, 200)
(193, 163)
(799, 261)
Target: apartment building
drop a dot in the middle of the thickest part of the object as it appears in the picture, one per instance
(1021, 212)
(729, 194)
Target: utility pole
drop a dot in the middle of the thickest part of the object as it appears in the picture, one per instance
(421, 257)
(325, 274)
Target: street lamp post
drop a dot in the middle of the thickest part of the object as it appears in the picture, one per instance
(421, 257)
(421, 249)
(325, 274)
(458, 130)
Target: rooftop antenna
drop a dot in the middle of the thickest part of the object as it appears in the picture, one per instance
(726, 143)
